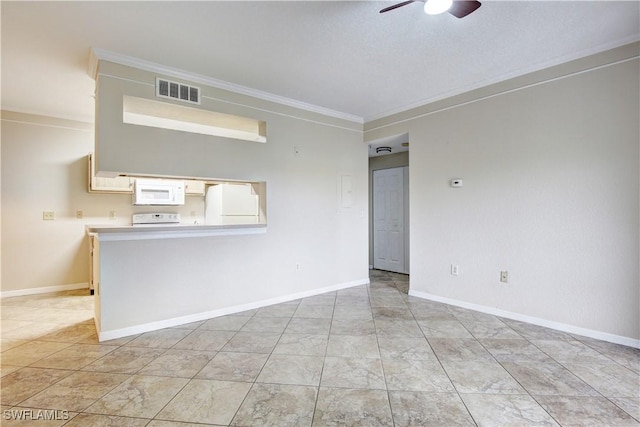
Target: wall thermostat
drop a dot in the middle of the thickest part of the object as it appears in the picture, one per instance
(456, 182)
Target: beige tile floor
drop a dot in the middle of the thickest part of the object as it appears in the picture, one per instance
(367, 356)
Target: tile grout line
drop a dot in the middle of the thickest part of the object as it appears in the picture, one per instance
(600, 394)
(614, 356)
(457, 392)
(324, 358)
(384, 376)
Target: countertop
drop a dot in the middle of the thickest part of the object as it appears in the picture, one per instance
(108, 232)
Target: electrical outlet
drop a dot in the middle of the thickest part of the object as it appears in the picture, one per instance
(454, 270)
(298, 267)
(79, 214)
(112, 215)
(48, 216)
(504, 276)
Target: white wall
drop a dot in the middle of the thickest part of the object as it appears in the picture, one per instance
(44, 168)
(551, 194)
(140, 150)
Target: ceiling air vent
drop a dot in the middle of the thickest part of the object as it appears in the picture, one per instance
(179, 91)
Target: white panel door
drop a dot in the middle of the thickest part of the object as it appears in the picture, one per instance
(388, 220)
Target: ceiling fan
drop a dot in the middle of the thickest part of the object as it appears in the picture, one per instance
(458, 8)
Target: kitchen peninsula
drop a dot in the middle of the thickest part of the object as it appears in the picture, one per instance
(148, 277)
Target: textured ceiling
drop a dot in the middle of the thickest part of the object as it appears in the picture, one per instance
(339, 55)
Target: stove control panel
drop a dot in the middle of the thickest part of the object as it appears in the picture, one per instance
(156, 218)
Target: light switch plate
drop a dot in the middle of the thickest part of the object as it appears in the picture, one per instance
(504, 276)
(454, 270)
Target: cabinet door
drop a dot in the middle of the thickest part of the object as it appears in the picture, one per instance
(120, 184)
(95, 278)
(194, 188)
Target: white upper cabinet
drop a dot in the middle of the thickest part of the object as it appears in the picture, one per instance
(119, 184)
(194, 188)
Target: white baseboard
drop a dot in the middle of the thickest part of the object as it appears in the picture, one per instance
(43, 290)
(599, 335)
(183, 320)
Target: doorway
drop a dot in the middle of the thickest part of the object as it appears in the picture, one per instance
(391, 219)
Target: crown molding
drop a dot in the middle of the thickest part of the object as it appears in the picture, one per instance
(105, 55)
(594, 51)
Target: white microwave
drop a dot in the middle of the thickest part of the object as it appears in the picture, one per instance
(158, 192)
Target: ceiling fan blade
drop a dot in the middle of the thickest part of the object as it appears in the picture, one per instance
(395, 6)
(462, 8)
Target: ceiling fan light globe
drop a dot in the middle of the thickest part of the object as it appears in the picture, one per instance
(436, 7)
